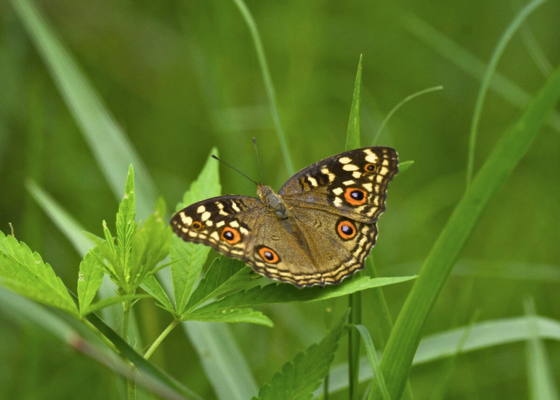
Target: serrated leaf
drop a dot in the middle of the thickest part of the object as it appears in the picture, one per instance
(89, 280)
(150, 244)
(154, 289)
(223, 275)
(109, 301)
(234, 315)
(24, 272)
(303, 375)
(126, 228)
(191, 257)
(283, 293)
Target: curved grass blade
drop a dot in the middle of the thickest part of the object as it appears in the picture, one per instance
(506, 155)
(373, 360)
(470, 64)
(479, 336)
(268, 85)
(541, 377)
(110, 146)
(486, 79)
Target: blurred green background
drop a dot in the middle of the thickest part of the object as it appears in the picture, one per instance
(182, 76)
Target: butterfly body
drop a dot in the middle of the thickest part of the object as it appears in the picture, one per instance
(317, 230)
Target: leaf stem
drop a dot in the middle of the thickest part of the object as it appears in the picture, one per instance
(160, 338)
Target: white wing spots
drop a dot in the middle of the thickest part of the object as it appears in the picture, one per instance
(193, 234)
(345, 160)
(386, 162)
(337, 201)
(371, 157)
(338, 191)
(325, 170)
(205, 215)
(209, 223)
(379, 179)
(186, 220)
(384, 171)
(243, 230)
(356, 175)
(235, 224)
(221, 207)
(234, 206)
(350, 167)
(347, 183)
(313, 181)
(368, 186)
(200, 209)
(215, 236)
(220, 224)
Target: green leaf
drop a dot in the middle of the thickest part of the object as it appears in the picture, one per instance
(405, 165)
(24, 272)
(303, 375)
(405, 337)
(223, 275)
(190, 257)
(283, 293)
(154, 289)
(150, 244)
(109, 301)
(233, 315)
(89, 280)
(126, 228)
(353, 133)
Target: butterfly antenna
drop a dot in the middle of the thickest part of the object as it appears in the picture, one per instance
(258, 158)
(235, 169)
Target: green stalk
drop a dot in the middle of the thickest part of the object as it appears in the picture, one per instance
(269, 87)
(160, 338)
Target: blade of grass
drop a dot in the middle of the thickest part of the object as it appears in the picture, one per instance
(490, 70)
(404, 340)
(394, 110)
(541, 377)
(268, 85)
(110, 146)
(373, 361)
(354, 299)
(481, 335)
(470, 64)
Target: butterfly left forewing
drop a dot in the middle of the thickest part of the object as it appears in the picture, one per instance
(223, 223)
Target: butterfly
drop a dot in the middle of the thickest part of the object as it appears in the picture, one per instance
(318, 229)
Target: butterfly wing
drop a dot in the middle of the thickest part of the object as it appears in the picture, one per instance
(334, 205)
(351, 184)
(242, 227)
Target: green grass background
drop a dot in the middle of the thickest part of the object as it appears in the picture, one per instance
(181, 77)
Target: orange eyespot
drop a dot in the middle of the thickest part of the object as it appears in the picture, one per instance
(370, 168)
(196, 225)
(268, 255)
(355, 197)
(346, 229)
(230, 235)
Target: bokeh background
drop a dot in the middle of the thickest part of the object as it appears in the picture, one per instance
(182, 76)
